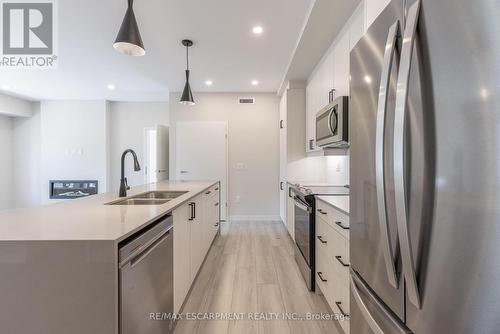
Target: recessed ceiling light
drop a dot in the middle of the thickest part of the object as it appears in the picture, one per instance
(255, 82)
(257, 30)
(209, 83)
(111, 87)
(6, 87)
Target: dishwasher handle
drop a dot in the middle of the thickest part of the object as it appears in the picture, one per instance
(144, 250)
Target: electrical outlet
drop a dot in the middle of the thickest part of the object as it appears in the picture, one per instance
(240, 166)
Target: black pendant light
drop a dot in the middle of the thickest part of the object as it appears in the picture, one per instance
(187, 95)
(129, 39)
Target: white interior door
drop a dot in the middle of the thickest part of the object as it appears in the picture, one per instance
(201, 154)
(156, 153)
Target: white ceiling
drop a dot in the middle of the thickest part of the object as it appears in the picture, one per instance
(225, 50)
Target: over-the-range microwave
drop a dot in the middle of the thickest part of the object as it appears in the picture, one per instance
(332, 124)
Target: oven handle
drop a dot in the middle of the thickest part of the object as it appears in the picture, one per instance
(300, 205)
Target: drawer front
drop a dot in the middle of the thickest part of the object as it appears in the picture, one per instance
(338, 220)
(322, 271)
(322, 234)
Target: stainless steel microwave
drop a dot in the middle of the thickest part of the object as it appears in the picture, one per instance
(332, 124)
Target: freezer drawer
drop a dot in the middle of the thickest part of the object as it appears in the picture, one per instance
(368, 313)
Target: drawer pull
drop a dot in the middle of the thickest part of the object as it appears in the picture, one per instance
(340, 309)
(320, 238)
(216, 189)
(216, 225)
(342, 226)
(320, 275)
(216, 204)
(208, 192)
(339, 258)
(322, 212)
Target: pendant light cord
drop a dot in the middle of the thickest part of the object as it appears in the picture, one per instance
(130, 3)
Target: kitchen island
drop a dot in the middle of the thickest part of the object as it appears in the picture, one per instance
(59, 268)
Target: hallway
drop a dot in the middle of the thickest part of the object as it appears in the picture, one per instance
(250, 270)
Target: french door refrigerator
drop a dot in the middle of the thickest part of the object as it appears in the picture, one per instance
(425, 170)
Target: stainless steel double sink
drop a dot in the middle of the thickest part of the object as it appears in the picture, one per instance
(149, 198)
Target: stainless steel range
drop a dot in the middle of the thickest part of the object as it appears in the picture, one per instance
(305, 207)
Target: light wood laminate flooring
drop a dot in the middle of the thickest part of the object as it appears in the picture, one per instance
(250, 269)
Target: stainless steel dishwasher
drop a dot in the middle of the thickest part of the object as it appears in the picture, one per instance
(146, 280)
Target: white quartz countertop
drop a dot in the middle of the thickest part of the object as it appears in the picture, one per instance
(339, 202)
(90, 219)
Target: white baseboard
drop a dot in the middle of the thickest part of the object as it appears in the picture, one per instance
(255, 218)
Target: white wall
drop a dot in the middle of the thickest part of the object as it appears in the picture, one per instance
(253, 139)
(127, 121)
(26, 159)
(73, 142)
(6, 167)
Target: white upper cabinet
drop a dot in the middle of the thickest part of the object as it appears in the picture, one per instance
(341, 65)
(318, 87)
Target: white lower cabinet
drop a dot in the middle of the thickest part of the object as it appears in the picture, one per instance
(332, 260)
(196, 224)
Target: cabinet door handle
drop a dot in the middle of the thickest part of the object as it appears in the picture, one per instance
(320, 238)
(340, 309)
(311, 144)
(281, 185)
(191, 213)
(281, 124)
(342, 226)
(339, 258)
(208, 192)
(290, 192)
(216, 225)
(320, 275)
(322, 212)
(216, 189)
(216, 204)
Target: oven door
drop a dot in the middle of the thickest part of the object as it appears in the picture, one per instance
(303, 229)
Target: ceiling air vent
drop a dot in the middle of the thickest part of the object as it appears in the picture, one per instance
(247, 100)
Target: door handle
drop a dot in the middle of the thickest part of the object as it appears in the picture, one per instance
(399, 154)
(320, 275)
(184, 172)
(281, 185)
(339, 258)
(342, 226)
(208, 192)
(322, 212)
(290, 192)
(311, 144)
(390, 48)
(302, 206)
(193, 211)
(281, 124)
(320, 238)
(340, 309)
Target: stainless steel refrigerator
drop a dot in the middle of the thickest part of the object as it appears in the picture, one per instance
(425, 170)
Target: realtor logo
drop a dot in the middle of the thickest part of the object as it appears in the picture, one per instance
(28, 34)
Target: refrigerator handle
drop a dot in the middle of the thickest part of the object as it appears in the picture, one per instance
(399, 153)
(358, 287)
(363, 308)
(390, 48)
